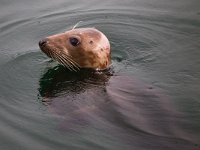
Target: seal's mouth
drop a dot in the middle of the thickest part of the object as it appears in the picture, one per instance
(58, 55)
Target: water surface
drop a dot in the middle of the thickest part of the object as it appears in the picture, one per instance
(149, 101)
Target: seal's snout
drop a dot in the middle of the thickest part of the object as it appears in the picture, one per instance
(43, 42)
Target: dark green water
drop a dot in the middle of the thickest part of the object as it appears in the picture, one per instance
(151, 102)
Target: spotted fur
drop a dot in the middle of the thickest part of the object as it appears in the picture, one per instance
(91, 51)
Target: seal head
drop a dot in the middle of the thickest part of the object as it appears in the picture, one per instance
(79, 48)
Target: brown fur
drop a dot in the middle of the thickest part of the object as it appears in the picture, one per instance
(93, 51)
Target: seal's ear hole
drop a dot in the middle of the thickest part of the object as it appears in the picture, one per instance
(74, 41)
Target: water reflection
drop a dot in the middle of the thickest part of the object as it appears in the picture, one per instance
(116, 105)
(58, 81)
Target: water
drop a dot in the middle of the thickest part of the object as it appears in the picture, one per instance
(150, 102)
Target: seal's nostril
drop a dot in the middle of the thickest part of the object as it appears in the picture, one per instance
(43, 42)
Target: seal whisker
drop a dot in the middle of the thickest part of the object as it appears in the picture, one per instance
(72, 65)
(50, 54)
(55, 56)
(76, 25)
(66, 63)
(63, 63)
(69, 58)
(58, 58)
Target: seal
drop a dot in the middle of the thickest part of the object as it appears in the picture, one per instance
(78, 48)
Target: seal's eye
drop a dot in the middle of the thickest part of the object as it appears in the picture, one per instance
(74, 41)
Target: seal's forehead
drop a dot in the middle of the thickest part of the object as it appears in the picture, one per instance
(86, 32)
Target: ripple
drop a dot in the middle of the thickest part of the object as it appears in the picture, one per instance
(145, 43)
(11, 26)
